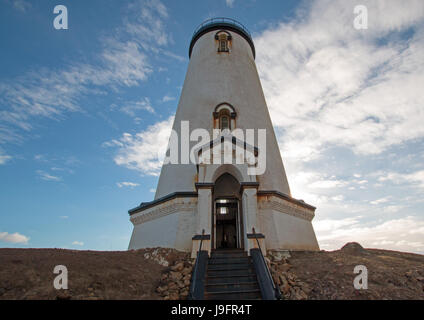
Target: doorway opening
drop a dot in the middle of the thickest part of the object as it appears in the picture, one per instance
(227, 222)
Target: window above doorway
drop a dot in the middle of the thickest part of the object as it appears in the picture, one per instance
(224, 117)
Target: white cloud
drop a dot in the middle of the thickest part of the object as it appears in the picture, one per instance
(51, 93)
(132, 107)
(39, 157)
(313, 186)
(332, 90)
(48, 177)
(340, 219)
(78, 243)
(149, 25)
(4, 158)
(143, 151)
(121, 63)
(20, 5)
(393, 208)
(70, 171)
(338, 198)
(326, 184)
(127, 184)
(379, 201)
(328, 84)
(414, 178)
(328, 225)
(403, 234)
(13, 237)
(167, 98)
(229, 3)
(64, 217)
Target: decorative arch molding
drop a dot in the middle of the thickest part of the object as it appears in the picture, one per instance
(227, 169)
(223, 39)
(224, 106)
(226, 185)
(229, 37)
(211, 172)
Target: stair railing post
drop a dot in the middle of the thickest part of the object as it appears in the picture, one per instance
(194, 275)
(277, 291)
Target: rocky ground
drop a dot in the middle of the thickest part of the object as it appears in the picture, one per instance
(165, 274)
(329, 274)
(175, 281)
(28, 273)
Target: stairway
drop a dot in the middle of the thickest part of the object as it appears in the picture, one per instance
(230, 275)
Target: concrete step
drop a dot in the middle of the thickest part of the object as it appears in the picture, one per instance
(230, 287)
(230, 279)
(228, 260)
(230, 276)
(230, 273)
(235, 295)
(228, 250)
(228, 254)
(229, 266)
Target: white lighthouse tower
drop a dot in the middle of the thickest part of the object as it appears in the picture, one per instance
(225, 203)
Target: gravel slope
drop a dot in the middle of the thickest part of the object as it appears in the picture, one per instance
(28, 273)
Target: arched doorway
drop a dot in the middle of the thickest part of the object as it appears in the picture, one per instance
(227, 218)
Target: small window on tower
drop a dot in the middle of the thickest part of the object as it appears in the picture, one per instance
(223, 42)
(224, 117)
(223, 38)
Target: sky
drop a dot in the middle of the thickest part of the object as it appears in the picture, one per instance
(85, 111)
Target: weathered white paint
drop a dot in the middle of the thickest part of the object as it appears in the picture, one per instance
(213, 78)
(204, 208)
(168, 224)
(286, 225)
(161, 232)
(283, 231)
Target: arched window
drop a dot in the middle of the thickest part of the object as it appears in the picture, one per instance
(224, 120)
(224, 117)
(223, 38)
(223, 43)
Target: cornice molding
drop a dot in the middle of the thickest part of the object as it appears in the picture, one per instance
(276, 203)
(164, 209)
(146, 205)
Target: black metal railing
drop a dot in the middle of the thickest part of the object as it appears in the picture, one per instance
(275, 288)
(222, 20)
(194, 276)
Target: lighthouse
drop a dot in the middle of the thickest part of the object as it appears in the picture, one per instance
(223, 182)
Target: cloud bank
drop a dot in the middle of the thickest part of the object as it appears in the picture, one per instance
(13, 238)
(123, 62)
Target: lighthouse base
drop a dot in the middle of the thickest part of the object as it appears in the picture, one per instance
(171, 222)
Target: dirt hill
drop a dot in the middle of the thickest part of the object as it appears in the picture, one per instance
(28, 273)
(330, 274)
(165, 274)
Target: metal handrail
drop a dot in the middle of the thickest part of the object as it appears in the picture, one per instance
(222, 20)
(276, 289)
(194, 276)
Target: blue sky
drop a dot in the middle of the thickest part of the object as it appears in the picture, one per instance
(85, 111)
